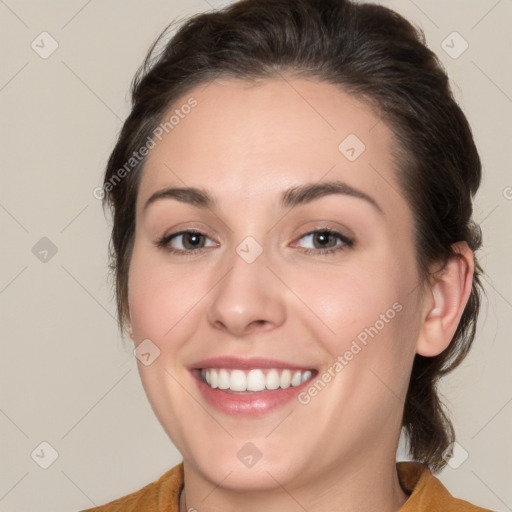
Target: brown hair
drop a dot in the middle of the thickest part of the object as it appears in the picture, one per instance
(369, 51)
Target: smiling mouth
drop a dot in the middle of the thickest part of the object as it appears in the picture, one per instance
(253, 380)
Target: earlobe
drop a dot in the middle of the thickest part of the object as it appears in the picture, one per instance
(445, 300)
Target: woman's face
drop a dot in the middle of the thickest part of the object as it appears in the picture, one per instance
(255, 280)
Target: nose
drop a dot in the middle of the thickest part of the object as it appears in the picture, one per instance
(249, 298)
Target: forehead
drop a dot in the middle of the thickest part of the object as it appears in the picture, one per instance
(256, 138)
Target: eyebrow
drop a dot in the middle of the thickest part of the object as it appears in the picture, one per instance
(294, 196)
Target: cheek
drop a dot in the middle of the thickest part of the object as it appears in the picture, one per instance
(161, 298)
(347, 298)
(368, 327)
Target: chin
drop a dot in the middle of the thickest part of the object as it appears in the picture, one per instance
(237, 477)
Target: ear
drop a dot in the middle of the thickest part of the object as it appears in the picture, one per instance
(445, 299)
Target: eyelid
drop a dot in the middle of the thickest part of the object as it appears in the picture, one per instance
(325, 225)
(201, 228)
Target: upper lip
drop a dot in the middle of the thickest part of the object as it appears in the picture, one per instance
(247, 363)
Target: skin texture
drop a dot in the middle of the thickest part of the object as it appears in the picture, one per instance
(245, 143)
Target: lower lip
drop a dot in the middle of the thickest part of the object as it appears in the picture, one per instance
(248, 404)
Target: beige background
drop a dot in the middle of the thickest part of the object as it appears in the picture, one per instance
(67, 378)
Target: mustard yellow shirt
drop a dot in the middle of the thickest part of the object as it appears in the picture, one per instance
(426, 493)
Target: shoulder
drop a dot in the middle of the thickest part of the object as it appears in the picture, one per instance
(160, 495)
(427, 493)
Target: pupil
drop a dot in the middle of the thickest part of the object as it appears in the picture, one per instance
(193, 236)
(323, 237)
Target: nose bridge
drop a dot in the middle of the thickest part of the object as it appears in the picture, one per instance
(248, 294)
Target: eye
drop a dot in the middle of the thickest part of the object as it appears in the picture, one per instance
(190, 242)
(182, 242)
(328, 240)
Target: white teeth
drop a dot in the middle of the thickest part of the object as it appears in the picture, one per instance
(306, 375)
(223, 379)
(272, 379)
(255, 379)
(214, 379)
(296, 379)
(286, 379)
(237, 381)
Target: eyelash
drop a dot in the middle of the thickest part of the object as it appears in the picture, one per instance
(164, 241)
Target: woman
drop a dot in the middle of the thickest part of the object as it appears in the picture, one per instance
(294, 255)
